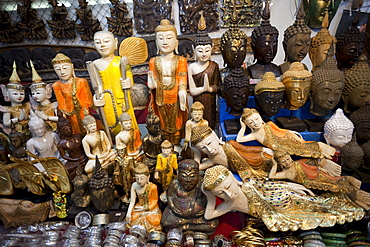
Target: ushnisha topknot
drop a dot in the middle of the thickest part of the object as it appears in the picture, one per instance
(298, 27)
(358, 75)
(141, 168)
(202, 37)
(88, 120)
(60, 58)
(199, 133)
(166, 144)
(296, 71)
(165, 25)
(265, 28)
(197, 106)
(322, 37)
(247, 112)
(352, 34)
(214, 176)
(361, 115)
(124, 117)
(268, 83)
(338, 121)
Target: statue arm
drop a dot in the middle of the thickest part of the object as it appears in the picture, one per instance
(64, 155)
(193, 89)
(157, 166)
(31, 148)
(211, 210)
(274, 174)
(132, 202)
(87, 149)
(240, 137)
(188, 127)
(206, 164)
(182, 78)
(7, 119)
(152, 84)
(153, 197)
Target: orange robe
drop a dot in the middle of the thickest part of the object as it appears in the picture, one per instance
(134, 144)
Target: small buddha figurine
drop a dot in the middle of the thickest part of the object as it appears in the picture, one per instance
(357, 85)
(315, 11)
(145, 211)
(349, 46)
(18, 143)
(128, 138)
(320, 44)
(264, 46)
(80, 195)
(186, 202)
(297, 83)
(41, 93)
(72, 93)
(269, 95)
(296, 41)
(338, 131)
(204, 74)
(43, 143)
(96, 145)
(123, 172)
(361, 120)
(18, 111)
(326, 86)
(165, 168)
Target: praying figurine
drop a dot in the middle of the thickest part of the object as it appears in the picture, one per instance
(326, 86)
(165, 168)
(204, 74)
(320, 44)
(167, 79)
(41, 93)
(357, 85)
(72, 93)
(264, 46)
(145, 211)
(18, 111)
(315, 11)
(186, 202)
(96, 146)
(296, 41)
(129, 138)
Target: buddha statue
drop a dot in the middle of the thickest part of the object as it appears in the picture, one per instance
(264, 46)
(80, 195)
(326, 86)
(361, 120)
(297, 83)
(352, 156)
(349, 46)
(186, 202)
(269, 95)
(320, 44)
(357, 85)
(18, 143)
(128, 138)
(296, 41)
(315, 11)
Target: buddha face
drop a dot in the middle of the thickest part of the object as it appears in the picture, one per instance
(210, 145)
(166, 151)
(166, 41)
(327, 95)
(265, 49)
(65, 130)
(285, 161)
(349, 54)
(126, 125)
(270, 102)
(64, 71)
(39, 94)
(315, 11)
(297, 47)
(203, 53)
(16, 95)
(16, 141)
(363, 132)
(358, 96)
(105, 43)
(91, 127)
(234, 52)
(339, 138)
(296, 93)
(229, 188)
(141, 179)
(320, 54)
(254, 121)
(38, 129)
(237, 99)
(188, 177)
(197, 115)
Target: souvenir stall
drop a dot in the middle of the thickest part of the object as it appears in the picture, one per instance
(184, 123)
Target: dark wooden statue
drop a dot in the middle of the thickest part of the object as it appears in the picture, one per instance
(9, 33)
(118, 24)
(88, 25)
(30, 25)
(61, 28)
(249, 12)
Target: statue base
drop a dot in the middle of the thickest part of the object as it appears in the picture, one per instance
(232, 126)
(291, 123)
(314, 125)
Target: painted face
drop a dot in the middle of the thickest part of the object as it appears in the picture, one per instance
(349, 54)
(105, 43)
(237, 99)
(166, 42)
(315, 11)
(16, 95)
(203, 53)
(327, 94)
(197, 115)
(339, 138)
(39, 94)
(359, 96)
(285, 160)
(188, 177)
(38, 130)
(265, 49)
(228, 189)
(64, 71)
(141, 179)
(297, 47)
(234, 52)
(91, 127)
(210, 145)
(254, 121)
(166, 151)
(296, 94)
(270, 102)
(126, 125)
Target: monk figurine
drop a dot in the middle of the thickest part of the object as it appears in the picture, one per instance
(96, 145)
(113, 77)
(186, 202)
(128, 138)
(296, 41)
(72, 93)
(167, 79)
(204, 74)
(18, 111)
(165, 168)
(145, 211)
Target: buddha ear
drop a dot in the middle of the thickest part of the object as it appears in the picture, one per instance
(116, 43)
(5, 92)
(177, 47)
(73, 70)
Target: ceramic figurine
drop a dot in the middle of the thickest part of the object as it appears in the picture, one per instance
(129, 138)
(204, 75)
(357, 85)
(279, 213)
(31, 27)
(70, 146)
(165, 168)
(80, 196)
(349, 46)
(320, 44)
(269, 95)
(264, 46)
(315, 11)
(18, 111)
(119, 24)
(72, 93)
(41, 93)
(145, 212)
(96, 146)
(361, 120)
(43, 143)
(111, 78)
(186, 202)
(167, 79)
(271, 136)
(60, 26)
(88, 25)
(296, 41)
(326, 86)
(297, 83)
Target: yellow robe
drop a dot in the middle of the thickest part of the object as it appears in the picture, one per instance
(165, 167)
